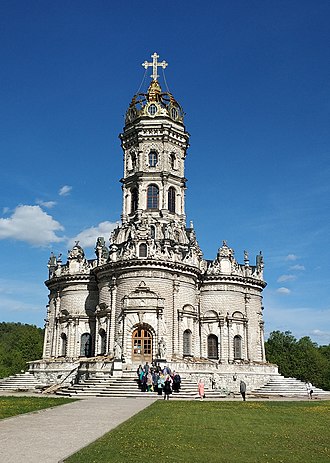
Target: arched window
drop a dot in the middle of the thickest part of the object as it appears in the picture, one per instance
(212, 347)
(143, 250)
(237, 347)
(64, 345)
(134, 199)
(86, 345)
(187, 343)
(103, 341)
(153, 158)
(152, 197)
(152, 232)
(171, 199)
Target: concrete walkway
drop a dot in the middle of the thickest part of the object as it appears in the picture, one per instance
(49, 436)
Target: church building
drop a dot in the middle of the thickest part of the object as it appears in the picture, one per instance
(149, 294)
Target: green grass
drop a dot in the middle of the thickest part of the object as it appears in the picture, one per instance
(12, 406)
(216, 432)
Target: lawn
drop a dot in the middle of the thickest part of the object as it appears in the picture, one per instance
(11, 406)
(218, 432)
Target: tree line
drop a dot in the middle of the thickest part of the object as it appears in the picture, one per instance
(19, 343)
(302, 359)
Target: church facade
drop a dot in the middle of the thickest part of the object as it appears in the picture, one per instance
(149, 294)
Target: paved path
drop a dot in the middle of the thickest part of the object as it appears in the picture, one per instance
(48, 436)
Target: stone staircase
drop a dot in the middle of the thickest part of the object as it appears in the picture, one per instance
(127, 386)
(20, 382)
(286, 387)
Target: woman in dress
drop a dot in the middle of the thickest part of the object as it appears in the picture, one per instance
(201, 389)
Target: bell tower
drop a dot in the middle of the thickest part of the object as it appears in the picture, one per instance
(155, 142)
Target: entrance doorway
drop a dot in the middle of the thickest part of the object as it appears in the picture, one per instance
(142, 345)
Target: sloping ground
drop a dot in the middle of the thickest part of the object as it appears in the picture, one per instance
(287, 387)
(20, 382)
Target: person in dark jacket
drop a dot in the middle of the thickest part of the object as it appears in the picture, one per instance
(176, 382)
(242, 389)
(167, 387)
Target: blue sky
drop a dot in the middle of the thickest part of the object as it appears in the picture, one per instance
(253, 79)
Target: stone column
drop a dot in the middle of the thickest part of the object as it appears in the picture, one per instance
(262, 341)
(221, 340)
(229, 341)
(246, 338)
(97, 336)
(113, 289)
(175, 324)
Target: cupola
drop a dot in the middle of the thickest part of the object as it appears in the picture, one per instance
(154, 103)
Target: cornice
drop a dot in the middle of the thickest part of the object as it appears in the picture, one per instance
(65, 279)
(102, 271)
(234, 279)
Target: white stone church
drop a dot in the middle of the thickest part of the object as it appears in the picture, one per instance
(149, 295)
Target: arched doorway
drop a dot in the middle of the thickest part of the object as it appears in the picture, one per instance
(142, 344)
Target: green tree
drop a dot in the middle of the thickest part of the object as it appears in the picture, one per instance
(301, 359)
(19, 343)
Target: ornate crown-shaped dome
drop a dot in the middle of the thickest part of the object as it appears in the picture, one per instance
(155, 102)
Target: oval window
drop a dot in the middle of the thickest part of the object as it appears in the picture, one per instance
(152, 109)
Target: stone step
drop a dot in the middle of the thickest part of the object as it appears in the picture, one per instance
(19, 382)
(289, 387)
(127, 386)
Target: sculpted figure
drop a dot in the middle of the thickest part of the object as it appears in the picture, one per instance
(117, 350)
(162, 348)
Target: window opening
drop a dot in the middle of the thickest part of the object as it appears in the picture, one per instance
(152, 109)
(212, 347)
(237, 347)
(64, 345)
(143, 250)
(171, 199)
(134, 199)
(103, 336)
(187, 342)
(172, 161)
(153, 158)
(152, 197)
(86, 345)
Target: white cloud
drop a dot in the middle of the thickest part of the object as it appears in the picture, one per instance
(283, 278)
(65, 190)
(31, 225)
(87, 238)
(291, 257)
(283, 290)
(297, 267)
(320, 333)
(301, 321)
(47, 204)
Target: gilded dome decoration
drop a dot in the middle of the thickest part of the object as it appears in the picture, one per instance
(155, 102)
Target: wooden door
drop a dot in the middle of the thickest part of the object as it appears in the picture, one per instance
(142, 345)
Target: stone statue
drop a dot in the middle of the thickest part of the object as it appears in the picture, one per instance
(162, 348)
(76, 252)
(117, 350)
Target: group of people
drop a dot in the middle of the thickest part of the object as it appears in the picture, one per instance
(155, 379)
